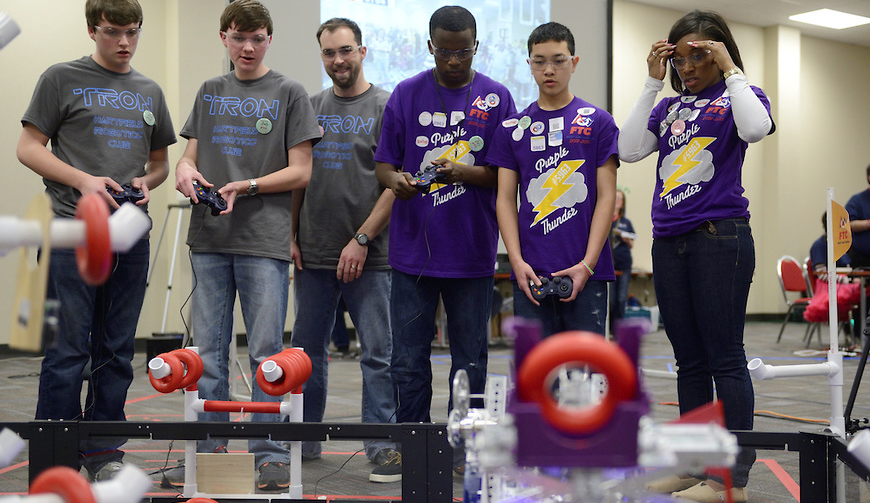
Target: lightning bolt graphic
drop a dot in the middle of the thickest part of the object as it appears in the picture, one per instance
(686, 162)
(453, 153)
(556, 183)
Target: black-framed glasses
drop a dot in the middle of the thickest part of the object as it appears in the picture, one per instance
(694, 58)
(447, 55)
(344, 52)
(116, 34)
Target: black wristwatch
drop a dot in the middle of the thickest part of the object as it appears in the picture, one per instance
(362, 239)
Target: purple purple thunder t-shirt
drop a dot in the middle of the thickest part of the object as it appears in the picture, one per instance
(451, 232)
(700, 161)
(557, 155)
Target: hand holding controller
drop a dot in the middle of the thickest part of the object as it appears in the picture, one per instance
(210, 198)
(426, 177)
(561, 286)
(127, 193)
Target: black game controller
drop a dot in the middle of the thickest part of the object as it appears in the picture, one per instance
(127, 193)
(560, 285)
(210, 198)
(426, 177)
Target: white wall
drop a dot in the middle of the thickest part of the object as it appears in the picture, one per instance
(180, 48)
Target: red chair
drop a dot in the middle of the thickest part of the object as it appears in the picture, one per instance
(792, 280)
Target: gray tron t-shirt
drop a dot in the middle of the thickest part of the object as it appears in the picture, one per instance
(244, 129)
(343, 188)
(100, 122)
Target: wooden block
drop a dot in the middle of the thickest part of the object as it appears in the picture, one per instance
(229, 473)
(29, 304)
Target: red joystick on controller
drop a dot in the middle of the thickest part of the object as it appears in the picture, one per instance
(560, 286)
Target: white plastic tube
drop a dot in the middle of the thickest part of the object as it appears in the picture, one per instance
(272, 371)
(761, 371)
(159, 368)
(126, 226)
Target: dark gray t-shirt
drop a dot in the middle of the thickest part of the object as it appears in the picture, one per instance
(343, 188)
(101, 122)
(243, 130)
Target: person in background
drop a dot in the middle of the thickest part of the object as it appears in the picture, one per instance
(340, 248)
(98, 141)
(858, 208)
(703, 252)
(848, 292)
(622, 238)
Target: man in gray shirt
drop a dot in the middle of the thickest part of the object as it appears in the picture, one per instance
(340, 247)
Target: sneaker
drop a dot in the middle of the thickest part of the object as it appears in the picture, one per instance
(389, 467)
(274, 476)
(108, 471)
(173, 478)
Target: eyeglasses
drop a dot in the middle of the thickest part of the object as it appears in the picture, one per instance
(695, 58)
(114, 33)
(540, 64)
(344, 52)
(447, 55)
(240, 40)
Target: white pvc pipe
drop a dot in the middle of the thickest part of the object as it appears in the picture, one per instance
(159, 368)
(272, 371)
(191, 399)
(15, 232)
(294, 401)
(760, 371)
(126, 226)
(128, 486)
(10, 445)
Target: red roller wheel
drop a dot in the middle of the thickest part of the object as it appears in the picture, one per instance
(296, 367)
(65, 482)
(171, 382)
(201, 500)
(194, 366)
(533, 384)
(94, 259)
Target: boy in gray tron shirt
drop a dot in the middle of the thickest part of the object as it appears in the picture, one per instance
(108, 125)
(250, 136)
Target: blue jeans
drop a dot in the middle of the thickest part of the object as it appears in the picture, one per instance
(97, 323)
(586, 312)
(263, 288)
(317, 293)
(702, 283)
(413, 302)
(619, 297)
